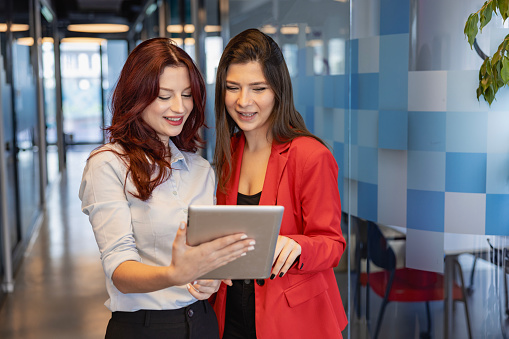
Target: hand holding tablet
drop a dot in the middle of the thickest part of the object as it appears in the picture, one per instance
(261, 223)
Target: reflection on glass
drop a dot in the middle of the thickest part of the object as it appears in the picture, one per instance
(81, 92)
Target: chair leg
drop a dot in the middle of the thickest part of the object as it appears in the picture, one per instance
(380, 317)
(428, 314)
(506, 296)
(470, 288)
(464, 295)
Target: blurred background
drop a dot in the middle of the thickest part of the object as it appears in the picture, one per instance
(390, 85)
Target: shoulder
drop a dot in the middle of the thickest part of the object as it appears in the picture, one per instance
(107, 154)
(196, 160)
(305, 147)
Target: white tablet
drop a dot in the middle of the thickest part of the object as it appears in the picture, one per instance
(259, 222)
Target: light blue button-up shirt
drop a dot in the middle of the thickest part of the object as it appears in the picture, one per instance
(127, 228)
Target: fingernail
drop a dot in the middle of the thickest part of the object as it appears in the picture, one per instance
(194, 282)
(243, 237)
(252, 242)
(182, 225)
(272, 276)
(243, 254)
(250, 248)
(281, 274)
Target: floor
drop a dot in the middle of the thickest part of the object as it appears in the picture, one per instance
(60, 290)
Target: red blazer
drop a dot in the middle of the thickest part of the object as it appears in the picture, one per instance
(302, 176)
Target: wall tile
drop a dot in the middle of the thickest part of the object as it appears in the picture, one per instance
(465, 213)
(465, 172)
(425, 210)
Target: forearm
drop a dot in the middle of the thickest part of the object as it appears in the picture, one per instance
(136, 277)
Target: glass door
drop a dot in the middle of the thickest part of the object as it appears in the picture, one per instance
(50, 93)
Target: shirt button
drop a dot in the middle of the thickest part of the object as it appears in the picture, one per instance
(260, 282)
(247, 281)
(174, 192)
(190, 313)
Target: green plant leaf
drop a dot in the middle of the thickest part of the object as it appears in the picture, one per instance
(486, 13)
(471, 28)
(503, 6)
(505, 70)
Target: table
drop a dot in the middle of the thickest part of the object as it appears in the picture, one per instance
(454, 245)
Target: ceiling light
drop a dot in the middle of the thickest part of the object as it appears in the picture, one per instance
(175, 29)
(14, 27)
(26, 41)
(98, 28)
(189, 41)
(269, 29)
(212, 28)
(178, 41)
(83, 40)
(189, 28)
(290, 30)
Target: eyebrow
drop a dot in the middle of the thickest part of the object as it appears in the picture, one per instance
(171, 90)
(250, 84)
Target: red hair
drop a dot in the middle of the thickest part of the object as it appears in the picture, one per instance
(137, 87)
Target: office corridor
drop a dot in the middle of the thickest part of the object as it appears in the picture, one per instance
(59, 289)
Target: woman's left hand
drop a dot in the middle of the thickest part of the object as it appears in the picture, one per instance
(203, 289)
(287, 251)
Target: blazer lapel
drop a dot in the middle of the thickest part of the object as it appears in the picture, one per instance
(275, 168)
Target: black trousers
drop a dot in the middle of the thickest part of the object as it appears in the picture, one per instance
(240, 311)
(196, 321)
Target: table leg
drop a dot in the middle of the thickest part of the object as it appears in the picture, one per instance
(448, 295)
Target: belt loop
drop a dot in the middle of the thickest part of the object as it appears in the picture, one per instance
(147, 318)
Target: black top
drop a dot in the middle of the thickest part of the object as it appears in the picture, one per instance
(243, 199)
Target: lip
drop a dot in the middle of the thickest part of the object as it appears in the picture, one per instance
(175, 122)
(246, 116)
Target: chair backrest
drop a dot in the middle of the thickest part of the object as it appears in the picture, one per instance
(380, 252)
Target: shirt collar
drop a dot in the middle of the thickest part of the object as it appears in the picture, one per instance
(178, 159)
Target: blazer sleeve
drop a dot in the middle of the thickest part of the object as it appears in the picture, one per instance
(321, 241)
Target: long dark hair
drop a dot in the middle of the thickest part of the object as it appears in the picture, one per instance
(137, 87)
(285, 121)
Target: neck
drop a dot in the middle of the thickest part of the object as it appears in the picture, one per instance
(257, 141)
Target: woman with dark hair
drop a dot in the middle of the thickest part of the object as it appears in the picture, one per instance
(265, 155)
(136, 190)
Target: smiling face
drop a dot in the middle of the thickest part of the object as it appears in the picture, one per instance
(249, 99)
(168, 113)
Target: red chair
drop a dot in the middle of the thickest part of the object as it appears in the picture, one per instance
(403, 284)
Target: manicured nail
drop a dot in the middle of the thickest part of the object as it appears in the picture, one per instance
(252, 242)
(250, 248)
(182, 225)
(272, 276)
(243, 237)
(243, 254)
(281, 274)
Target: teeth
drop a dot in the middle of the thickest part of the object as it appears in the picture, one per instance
(247, 115)
(172, 119)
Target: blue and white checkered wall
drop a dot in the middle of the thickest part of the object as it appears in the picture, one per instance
(424, 153)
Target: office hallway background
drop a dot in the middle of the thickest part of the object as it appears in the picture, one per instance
(59, 289)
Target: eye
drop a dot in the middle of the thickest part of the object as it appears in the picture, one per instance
(259, 89)
(231, 88)
(164, 98)
(187, 95)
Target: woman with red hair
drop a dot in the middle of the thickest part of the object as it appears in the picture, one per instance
(136, 190)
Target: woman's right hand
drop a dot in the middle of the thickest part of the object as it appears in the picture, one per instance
(190, 262)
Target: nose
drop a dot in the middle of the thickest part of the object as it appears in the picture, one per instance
(244, 99)
(177, 104)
